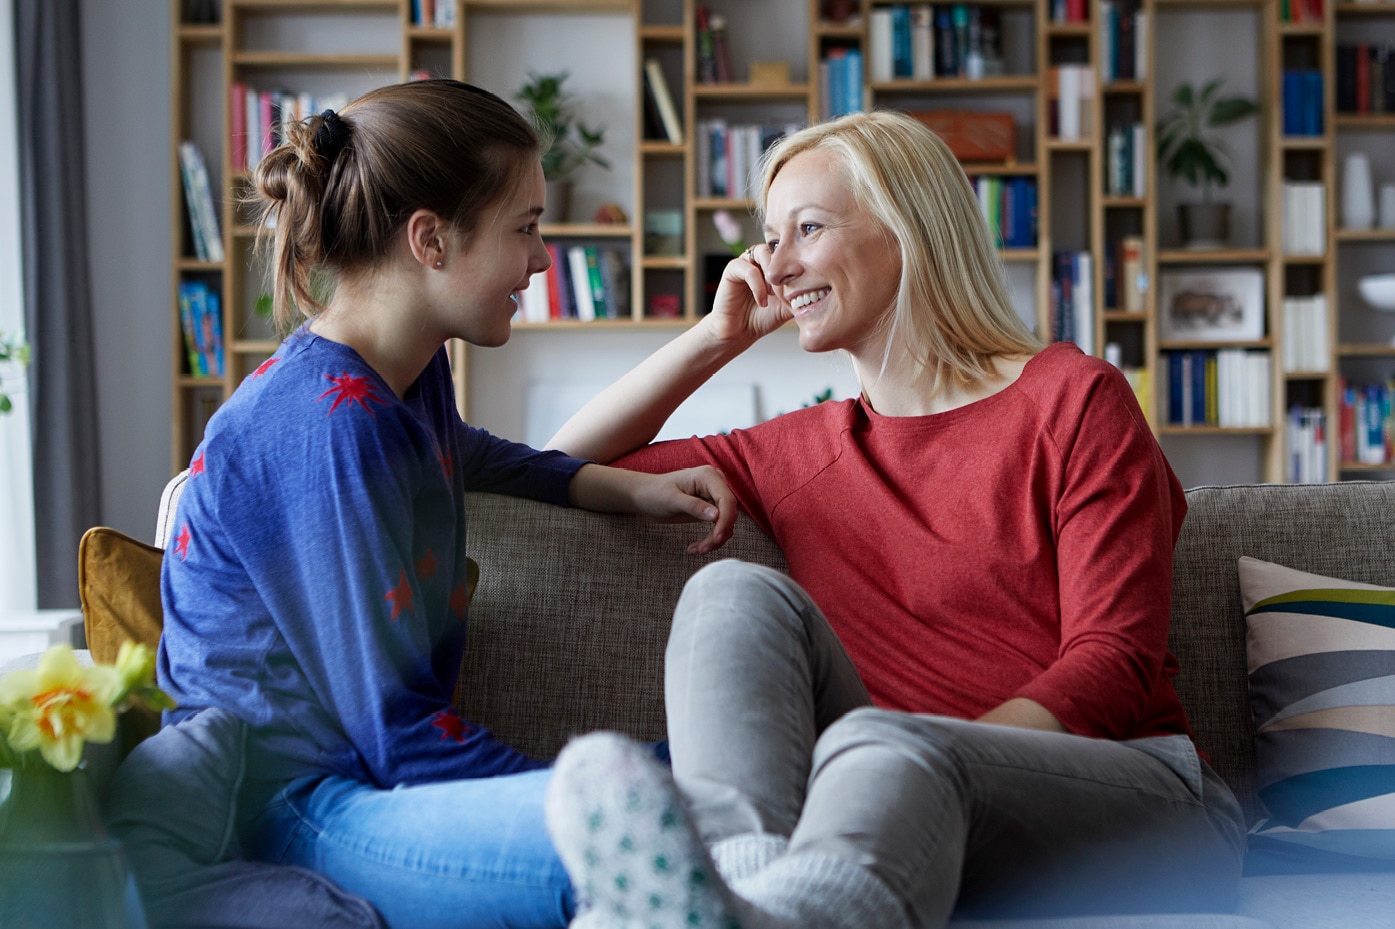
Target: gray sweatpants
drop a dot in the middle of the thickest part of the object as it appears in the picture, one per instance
(771, 731)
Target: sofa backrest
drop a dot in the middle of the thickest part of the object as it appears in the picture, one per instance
(1342, 530)
(568, 623)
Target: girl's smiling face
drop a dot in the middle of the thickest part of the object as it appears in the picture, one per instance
(488, 271)
(835, 266)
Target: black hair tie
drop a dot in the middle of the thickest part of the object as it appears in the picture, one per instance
(332, 135)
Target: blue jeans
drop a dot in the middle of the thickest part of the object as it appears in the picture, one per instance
(457, 854)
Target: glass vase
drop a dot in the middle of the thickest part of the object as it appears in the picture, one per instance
(59, 869)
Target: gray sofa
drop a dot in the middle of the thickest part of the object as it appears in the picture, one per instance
(568, 626)
(569, 621)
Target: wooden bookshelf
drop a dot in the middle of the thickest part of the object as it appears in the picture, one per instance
(1077, 210)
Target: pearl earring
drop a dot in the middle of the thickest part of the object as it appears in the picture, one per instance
(440, 263)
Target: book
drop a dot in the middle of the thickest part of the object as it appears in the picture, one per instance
(237, 112)
(879, 44)
(581, 283)
(186, 325)
(198, 195)
(657, 85)
(600, 299)
(1132, 283)
(706, 54)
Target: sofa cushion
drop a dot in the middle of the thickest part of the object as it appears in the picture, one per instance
(119, 587)
(1338, 530)
(1322, 687)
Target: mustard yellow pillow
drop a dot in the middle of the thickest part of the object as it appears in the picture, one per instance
(119, 586)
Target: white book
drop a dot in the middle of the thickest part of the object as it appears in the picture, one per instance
(663, 100)
(1068, 107)
(879, 43)
(923, 42)
(1140, 160)
(536, 304)
(581, 283)
(1108, 25)
(1083, 294)
(1140, 45)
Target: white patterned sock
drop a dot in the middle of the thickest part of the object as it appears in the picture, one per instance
(815, 890)
(743, 856)
(620, 828)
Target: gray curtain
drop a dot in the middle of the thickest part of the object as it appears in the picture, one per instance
(57, 291)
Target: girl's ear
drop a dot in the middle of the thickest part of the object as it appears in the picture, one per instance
(427, 235)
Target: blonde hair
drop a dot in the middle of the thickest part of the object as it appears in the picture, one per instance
(952, 313)
(334, 194)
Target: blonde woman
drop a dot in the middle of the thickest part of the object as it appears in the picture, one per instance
(960, 701)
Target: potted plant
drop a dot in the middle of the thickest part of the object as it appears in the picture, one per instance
(12, 351)
(1191, 150)
(571, 144)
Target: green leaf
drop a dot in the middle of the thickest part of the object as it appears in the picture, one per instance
(5, 403)
(1232, 110)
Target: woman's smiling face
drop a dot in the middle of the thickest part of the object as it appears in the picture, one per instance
(835, 266)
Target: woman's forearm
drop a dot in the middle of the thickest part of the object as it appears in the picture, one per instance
(630, 412)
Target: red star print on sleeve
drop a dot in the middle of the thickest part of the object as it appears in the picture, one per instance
(349, 388)
(401, 596)
(451, 725)
(459, 601)
(426, 565)
(181, 542)
(196, 466)
(264, 367)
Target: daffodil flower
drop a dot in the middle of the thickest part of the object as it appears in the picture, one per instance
(59, 707)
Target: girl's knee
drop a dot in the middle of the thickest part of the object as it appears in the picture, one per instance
(737, 594)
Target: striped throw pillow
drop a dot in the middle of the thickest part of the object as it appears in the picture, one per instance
(1321, 657)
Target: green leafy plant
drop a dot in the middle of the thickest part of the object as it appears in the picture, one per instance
(572, 143)
(11, 350)
(1188, 146)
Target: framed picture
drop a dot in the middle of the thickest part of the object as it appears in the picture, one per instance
(1211, 305)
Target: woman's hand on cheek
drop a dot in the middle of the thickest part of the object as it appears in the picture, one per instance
(746, 307)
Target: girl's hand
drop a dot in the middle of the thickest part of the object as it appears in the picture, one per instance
(746, 307)
(696, 494)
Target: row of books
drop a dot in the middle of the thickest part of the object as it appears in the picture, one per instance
(1072, 300)
(1305, 334)
(1009, 204)
(714, 59)
(1302, 102)
(198, 202)
(1306, 431)
(728, 154)
(438, 13)
(259, 118)
(922, 41)
(201, 319)
(1125, 160)
(840, 82)
(1228, 387)
(585, 282)
(1304, 218)
(1123, 41)
(1070, 92)
(1300, 11)
(1070, 11)
(1125, 281)
(1365, 78)
(1365, 426)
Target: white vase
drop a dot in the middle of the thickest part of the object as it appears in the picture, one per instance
(1358, 195)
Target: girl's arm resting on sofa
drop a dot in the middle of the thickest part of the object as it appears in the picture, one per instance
(630, 412)
(692, 495)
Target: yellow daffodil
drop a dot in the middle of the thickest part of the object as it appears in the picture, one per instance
(59, 707)
(135, 666)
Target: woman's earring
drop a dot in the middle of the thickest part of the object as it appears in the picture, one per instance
(440, 263)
